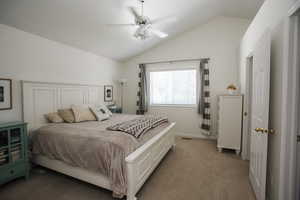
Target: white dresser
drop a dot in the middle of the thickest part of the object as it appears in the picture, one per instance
(230, 122)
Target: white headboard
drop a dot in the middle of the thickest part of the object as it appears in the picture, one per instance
(40, 98)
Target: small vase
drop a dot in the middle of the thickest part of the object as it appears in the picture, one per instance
(231, 92)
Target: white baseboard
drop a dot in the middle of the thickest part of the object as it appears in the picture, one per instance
(198, 136)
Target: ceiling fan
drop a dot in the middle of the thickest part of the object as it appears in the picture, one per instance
(145, 25)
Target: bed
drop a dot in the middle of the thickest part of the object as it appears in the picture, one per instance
(140, 161)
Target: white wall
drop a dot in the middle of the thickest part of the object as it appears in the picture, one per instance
(24, 56)
(271, 16)
(218, 40)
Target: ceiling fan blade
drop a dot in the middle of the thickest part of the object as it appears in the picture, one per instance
(164, 20)
(158, 33)
(134, 12)
(132, 24)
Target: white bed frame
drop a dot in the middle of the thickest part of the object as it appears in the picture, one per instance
(40, 98)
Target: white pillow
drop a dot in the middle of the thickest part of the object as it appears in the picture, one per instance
(104, 107)
(107, 111)
(100, 112)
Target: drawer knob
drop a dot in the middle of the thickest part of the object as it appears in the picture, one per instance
(12, 171)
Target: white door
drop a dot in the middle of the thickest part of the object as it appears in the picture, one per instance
(260, 116)
(298, 169)
(247, 110)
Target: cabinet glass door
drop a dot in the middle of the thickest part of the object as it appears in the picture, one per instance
(4, 156)
(15, 144)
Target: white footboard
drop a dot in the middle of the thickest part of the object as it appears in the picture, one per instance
(142, 162)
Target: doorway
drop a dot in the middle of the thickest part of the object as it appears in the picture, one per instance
(290, 156)
(297, 79)
(298, 128)
(247, 109)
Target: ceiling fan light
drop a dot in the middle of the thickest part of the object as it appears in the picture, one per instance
(141, 36)
(164, 35)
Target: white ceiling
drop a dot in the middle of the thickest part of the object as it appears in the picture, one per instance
(81, 23)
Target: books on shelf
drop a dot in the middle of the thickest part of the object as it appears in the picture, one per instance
(15, 139)
(15, 148)
(3, 152)
(15, 153)
(3, 156)
(3, 160)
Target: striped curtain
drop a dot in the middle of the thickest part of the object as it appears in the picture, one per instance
(142, 94)
(204, 97)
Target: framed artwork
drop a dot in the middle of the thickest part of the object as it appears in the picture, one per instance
(5, 94)
(108, 93)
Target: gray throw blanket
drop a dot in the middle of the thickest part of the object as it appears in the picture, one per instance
(138, 127)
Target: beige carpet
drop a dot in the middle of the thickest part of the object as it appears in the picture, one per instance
(194, 171)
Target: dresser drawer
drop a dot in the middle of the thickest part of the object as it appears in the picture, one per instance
(13, 171)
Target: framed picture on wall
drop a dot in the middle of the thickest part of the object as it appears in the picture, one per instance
(108, 93)
(5, 94)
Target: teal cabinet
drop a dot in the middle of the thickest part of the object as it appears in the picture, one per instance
(13, 151)
(115, 109)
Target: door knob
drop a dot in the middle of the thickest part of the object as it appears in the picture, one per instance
(269, 131)
(259, 130)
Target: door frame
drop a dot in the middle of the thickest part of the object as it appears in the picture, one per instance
(247, 109)
(290, 98)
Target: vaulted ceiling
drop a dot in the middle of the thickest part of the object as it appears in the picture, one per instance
(82, 23)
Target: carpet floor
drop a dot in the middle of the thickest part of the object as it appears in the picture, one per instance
(193, 171)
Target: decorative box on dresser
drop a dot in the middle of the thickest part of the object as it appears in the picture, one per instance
(13, 151)
(230, 122)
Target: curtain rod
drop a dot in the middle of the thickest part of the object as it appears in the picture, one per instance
(170, 61)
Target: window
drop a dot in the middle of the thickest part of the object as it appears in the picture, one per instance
(173, 87)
